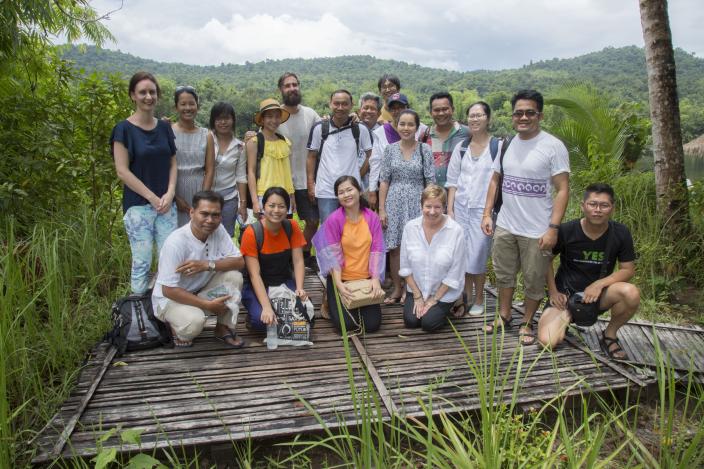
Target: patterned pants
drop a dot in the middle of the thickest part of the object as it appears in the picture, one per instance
(144, 227)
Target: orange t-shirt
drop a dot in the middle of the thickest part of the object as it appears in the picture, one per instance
(272, 243)
(356, 244)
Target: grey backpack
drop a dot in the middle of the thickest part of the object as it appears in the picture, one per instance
(134, 325)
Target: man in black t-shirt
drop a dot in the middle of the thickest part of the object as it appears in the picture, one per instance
(581, 245)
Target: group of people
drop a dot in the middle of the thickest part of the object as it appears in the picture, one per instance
(366, 182)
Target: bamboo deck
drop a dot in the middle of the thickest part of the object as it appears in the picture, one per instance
(209, 394)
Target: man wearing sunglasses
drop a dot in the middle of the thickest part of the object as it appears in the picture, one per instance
(589, 248)
(534, 167)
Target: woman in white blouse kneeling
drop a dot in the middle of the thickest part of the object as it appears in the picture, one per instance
(432, 262)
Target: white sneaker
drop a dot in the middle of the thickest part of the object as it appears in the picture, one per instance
(476, 310)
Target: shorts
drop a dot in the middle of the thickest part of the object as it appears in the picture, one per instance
(305, 209)
(587, 314)
(513, 253)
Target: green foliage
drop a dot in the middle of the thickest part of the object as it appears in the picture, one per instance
(593, 132)
(620, 72)
(30, 22)
(55, 142)
(56, 285)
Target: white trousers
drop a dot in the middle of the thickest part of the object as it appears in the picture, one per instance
(188, 321)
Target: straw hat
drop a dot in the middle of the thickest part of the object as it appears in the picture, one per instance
(270, 104)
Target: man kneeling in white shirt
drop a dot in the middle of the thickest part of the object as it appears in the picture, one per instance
(199, 275)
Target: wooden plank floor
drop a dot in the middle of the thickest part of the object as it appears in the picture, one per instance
(413, 363)
(681, 346)
(209, 394)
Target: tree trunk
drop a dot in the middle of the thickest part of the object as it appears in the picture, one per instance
(670, 181)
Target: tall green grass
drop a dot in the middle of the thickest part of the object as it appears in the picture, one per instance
(56, 285)
(594, 431)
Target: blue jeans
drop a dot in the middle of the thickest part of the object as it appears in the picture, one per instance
(326, 207)
(144, 227)
(254, 308)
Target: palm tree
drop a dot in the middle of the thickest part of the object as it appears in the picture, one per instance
(594, 133)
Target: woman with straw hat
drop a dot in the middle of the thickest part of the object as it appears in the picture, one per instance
(268, 155)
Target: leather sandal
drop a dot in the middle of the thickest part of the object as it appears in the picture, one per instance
(491, 327)
(525, 334)
(607, 344)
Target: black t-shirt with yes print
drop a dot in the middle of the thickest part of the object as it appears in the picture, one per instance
(581, 257)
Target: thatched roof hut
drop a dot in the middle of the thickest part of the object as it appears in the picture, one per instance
(695, 147)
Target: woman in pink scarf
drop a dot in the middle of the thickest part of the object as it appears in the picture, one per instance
(350, 246)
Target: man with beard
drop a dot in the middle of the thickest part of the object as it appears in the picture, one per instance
(297, 129)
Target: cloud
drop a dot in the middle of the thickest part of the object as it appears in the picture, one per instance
(450, 34)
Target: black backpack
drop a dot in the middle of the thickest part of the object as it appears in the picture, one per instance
(259, 232)
(493, 148)
(257, 169)
(134, 325)
(260, 152)
(325, 133)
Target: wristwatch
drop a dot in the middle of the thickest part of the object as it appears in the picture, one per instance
(553, 225)
(211, 266)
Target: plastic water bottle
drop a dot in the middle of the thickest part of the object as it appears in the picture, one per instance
(272, 337)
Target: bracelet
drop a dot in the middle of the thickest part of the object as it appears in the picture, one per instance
(485, 215)
(552, 225)
(417, 297)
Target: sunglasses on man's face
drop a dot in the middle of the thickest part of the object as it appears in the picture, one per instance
(528, 113)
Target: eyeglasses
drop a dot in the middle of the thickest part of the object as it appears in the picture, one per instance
(528, 113)
(187, 88)
(602, 205)
(475, 117)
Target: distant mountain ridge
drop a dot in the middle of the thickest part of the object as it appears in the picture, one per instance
(620, 71)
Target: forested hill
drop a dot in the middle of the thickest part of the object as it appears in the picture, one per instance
(620, 72)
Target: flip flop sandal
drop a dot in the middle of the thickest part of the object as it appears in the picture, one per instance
(181, 343)
(491, 327)
(526, 337)
(232, 336)
(607, 344)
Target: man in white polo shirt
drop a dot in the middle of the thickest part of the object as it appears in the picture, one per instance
(338, 156)
(199, 274)
(534, 174)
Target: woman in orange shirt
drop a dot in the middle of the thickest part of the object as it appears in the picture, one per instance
(350, 246)
(279, 261)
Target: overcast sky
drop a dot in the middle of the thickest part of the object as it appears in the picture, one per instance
(453, 34)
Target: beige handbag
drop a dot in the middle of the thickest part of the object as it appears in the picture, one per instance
(361, 293)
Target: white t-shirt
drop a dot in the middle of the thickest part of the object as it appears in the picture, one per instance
(471, 176)
(181, 246)
(339, 156)
(440, 261)
(527, 188)
(297, 129)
